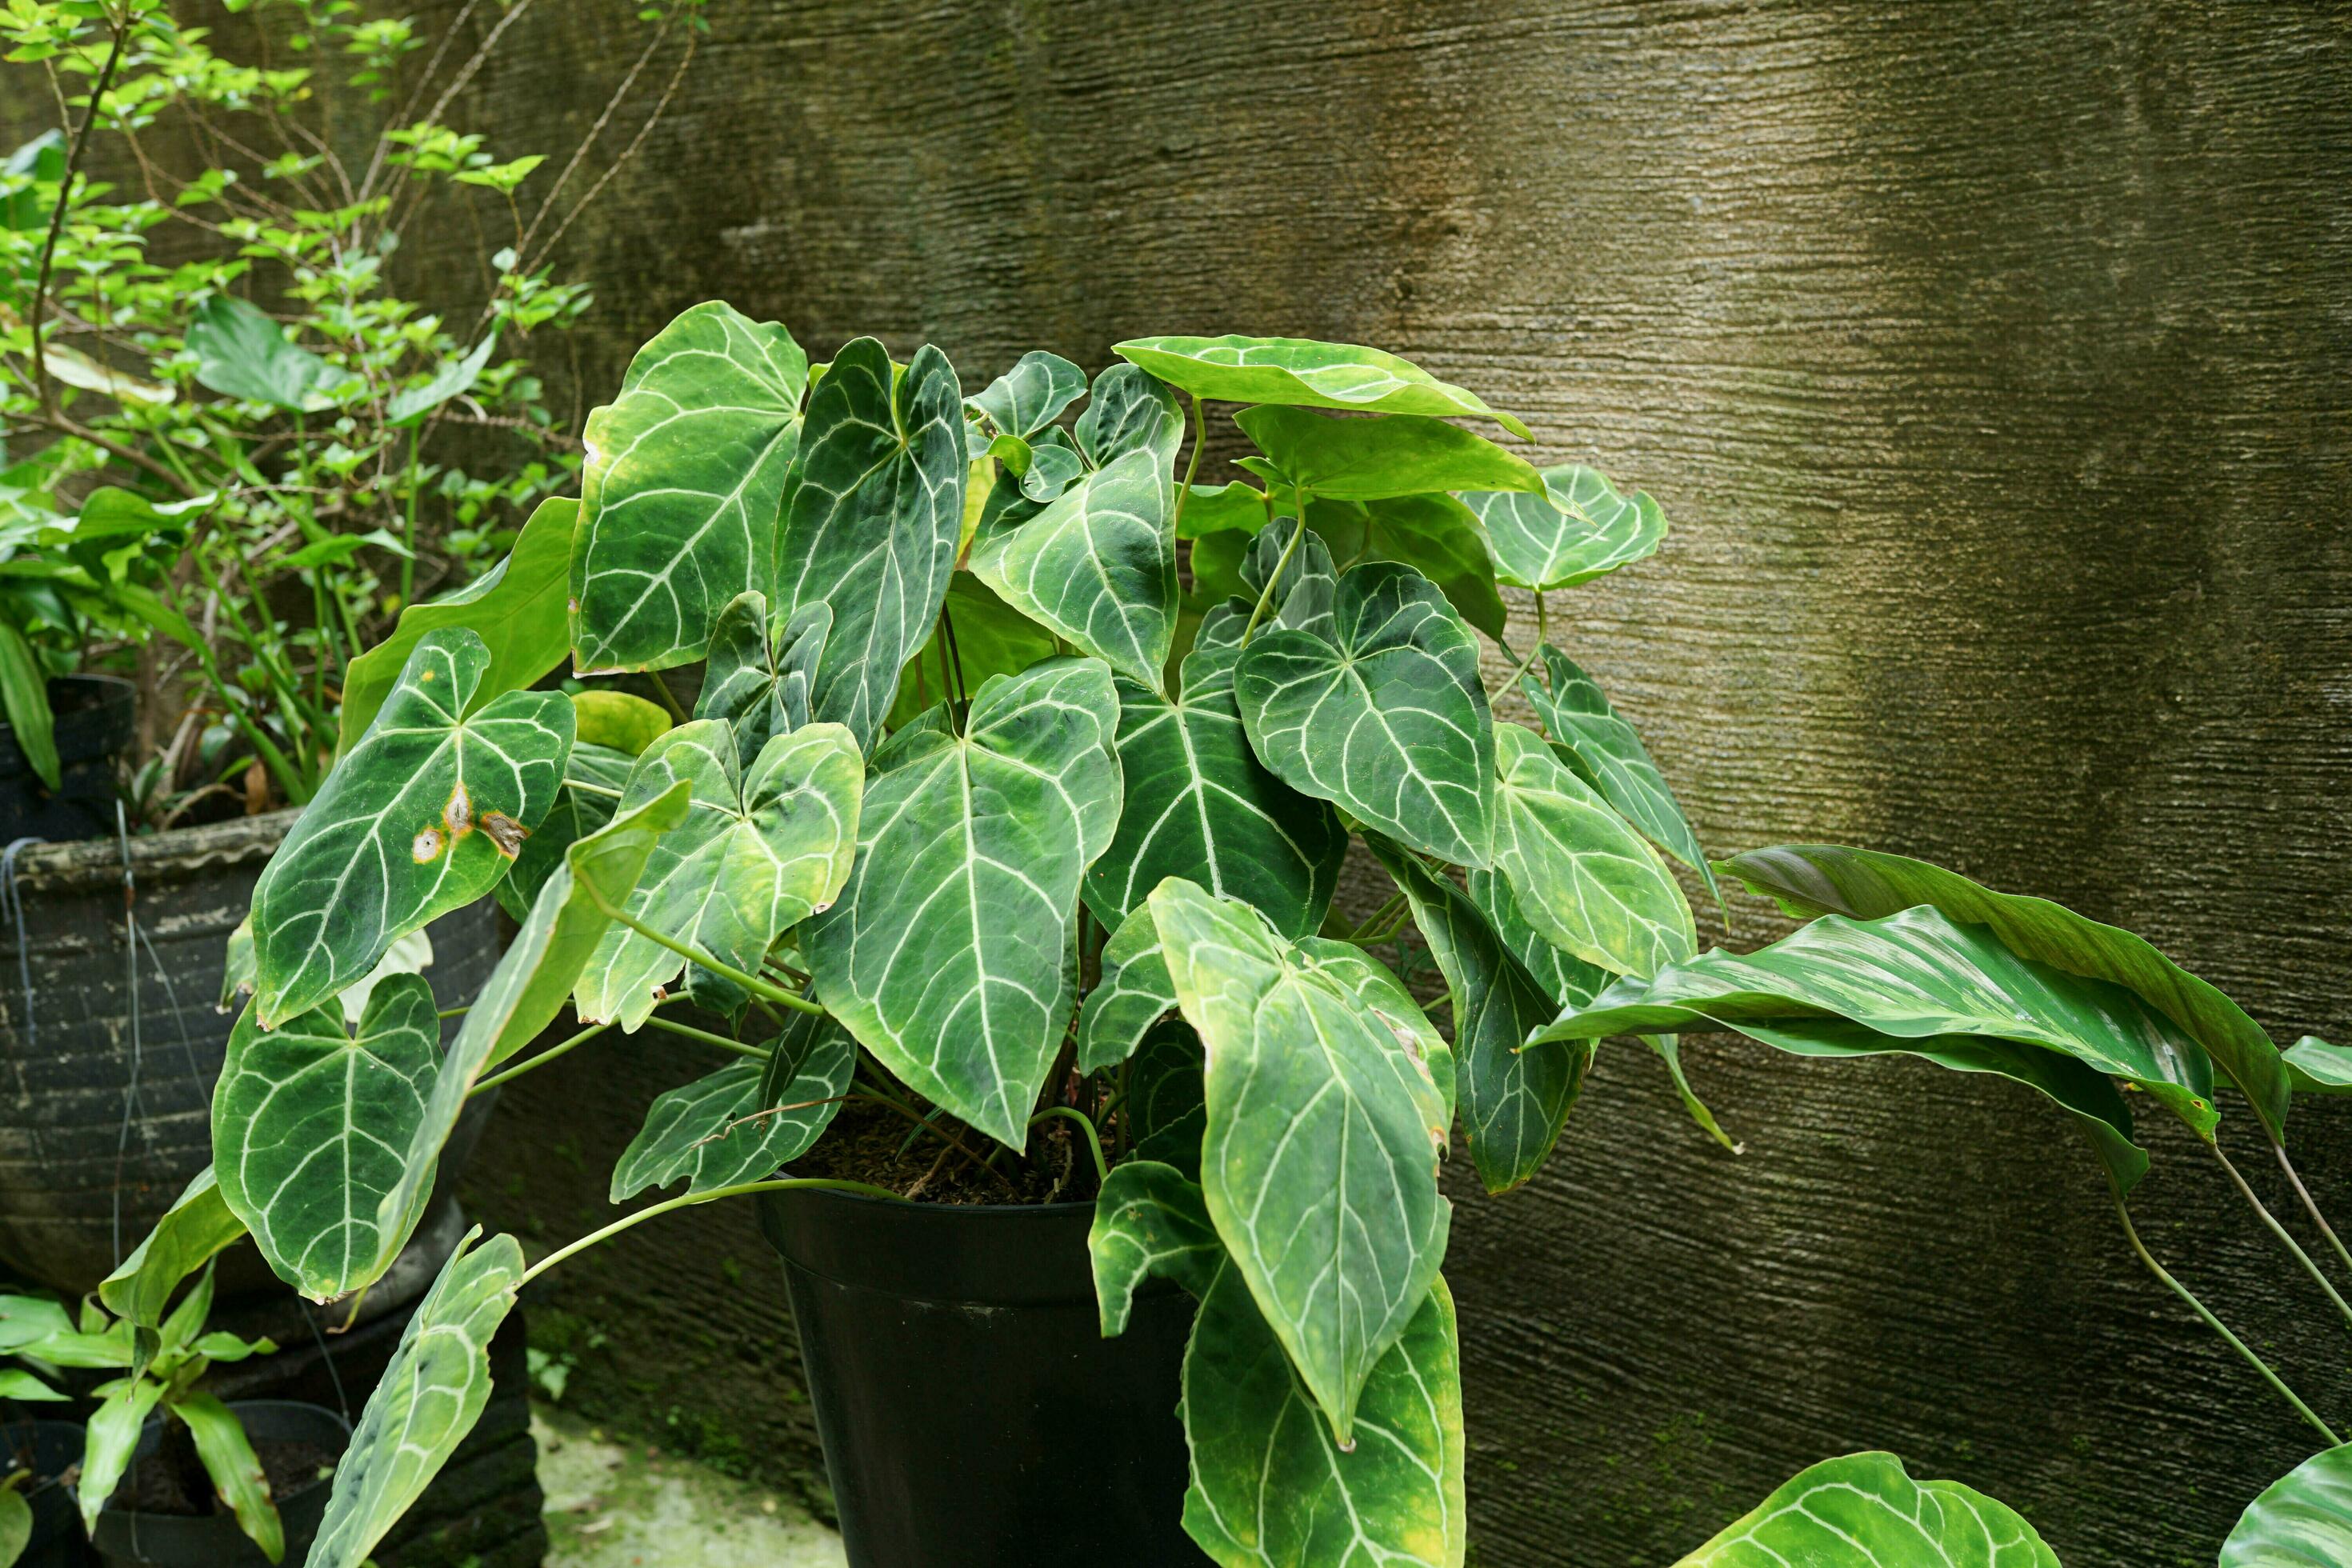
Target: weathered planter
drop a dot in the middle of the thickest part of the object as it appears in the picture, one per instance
(86, 1165)
(97, 718)
(127, 1539)
(50, 1449)
(970, 1410)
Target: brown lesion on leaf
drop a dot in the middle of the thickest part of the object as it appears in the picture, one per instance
(427, 847)
(457, 820)
(505, 832)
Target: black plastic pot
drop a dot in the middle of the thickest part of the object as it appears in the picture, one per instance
(49, 1449)
(128, 1540)
(970, 1410)
(97, 716)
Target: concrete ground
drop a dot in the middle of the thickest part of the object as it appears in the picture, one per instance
(615, 1506)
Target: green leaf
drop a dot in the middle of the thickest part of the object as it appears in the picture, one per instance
(25, 1319)
(1583, 878)
(872, 521)
(1319, 1165)
(15, 1521)
(1371, 460)
(409, 404)
(312, 1127)
(234, 1468)
(1306, 583)
(1423, 1061)
(1303, 373)
(1823, 878)
(1514, 1101)
(113, 1437)
(760, 687)
(1134, 993)
(949, 953)
(24, 1387)
(678, 498)
(426, 1401)
(25, 697)
(1269, 1484)
(1386, 719)
(1864, 1511)
(1200, 805)
(1913, 974)
(593, 777)
(516, 608)
(1166, 1097)
(1032, 395)
(240, 353)
(1539, 545)
(618, 721)
(1150, 1220)
(1567, 979)
(1607, 753)
(703, 1132)
(991, 638)
(1435, 535)
(2316, 1066)
(2303, 1519)
(1096, 567)
(196, 1228)
(420, 817)
(760, 849)
(1131, 410)
(1234, 507)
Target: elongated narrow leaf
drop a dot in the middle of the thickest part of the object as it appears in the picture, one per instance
(233, 1469)
(1864, 1511)
(1150, 1220)
(1578, 529)
(740, 1123)
(679, 499)
(1133, 994)
(1825, 879)
(1130, 411)
(948, 953)
(422, 816)
(2303, 1519)
(1371, 460)
(760, 850)
(1319, 1166)
(1270, 1485)
(760, 685)
(1434, 535)
(242, 354)
(312, 1127)
(1582, 878)
(197, 1226)
(1386, 719)
(593, 777)
(111, 1439)
(872, 523)
(1306, 374)
(1096, 567)
(2316, 1066)
(1913, 975)
(1607, 753)
(426, 1401)
(1032, 395)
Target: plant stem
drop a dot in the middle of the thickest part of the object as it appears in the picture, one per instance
(560, 1048)
(448, 1013)
(1528, 663)
(725, 971)
(1199, 440)
(1371, 922)
(2280, 1231)
(676, 710)
(2310, 1205)
(1266, 593)
(2257, 1363)
(671, 1026)
(784, 1184)
(1093, 1139)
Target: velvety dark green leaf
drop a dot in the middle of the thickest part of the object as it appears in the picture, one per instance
(759, 686)
(1864, 1511)
(1167, 1094)
(948, 953)
(1301, 371)
(593, 776)
(1319, 1166)
(873, 520)
(242, 354)
(2316, 1066)
(760, 849)
(1371, 460)
(1607, 753)
(1133, 994)
(420, 817)
(1567, 979)
(1913, 974)
(1234, 507)
(1269, 1483)
(195, 1229)
(1150, 1220)
(311, 1126)
(516, 608)
(426, 1401)
(1096, 567)
(1044, 466)
(1578, 529)
(1824, 879)
(2303, 1519)
(1306, 583)
(740, 1123)
(1388, 719)
(991, 638)
(1435, 535)
(1032, 395)
(1582, 878)
(679, 499)
(1130, 411)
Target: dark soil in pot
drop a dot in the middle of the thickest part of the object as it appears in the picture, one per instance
(97, 719)
(163, 1517)
(50, 1450)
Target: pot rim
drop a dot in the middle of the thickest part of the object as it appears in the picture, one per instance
(95, 865)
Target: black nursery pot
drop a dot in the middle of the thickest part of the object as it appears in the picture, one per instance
(50, 1449)
(970, 1410)
(97, 716)
(125, 1538)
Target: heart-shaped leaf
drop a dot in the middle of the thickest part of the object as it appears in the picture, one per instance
(1269, 1483)
(1096, 567)
(1150, 1220)
(760, 849)
(949, 954)
(1435, 535)
(1386, 719)
(420, 817)
(2303, 1519)
(760, 687)
(593, 776)
(242, 354)
(1306, 583)
(1826, 879)
(1133, 994)
(1607, 753)
(198, 1226)
(1032, 395)
(1864, 1511)
(740, 1123)
(872, 521)
(2318, 1068)
(1423, 1061)
(1130, 411)
(1301, 371)
(1393, 455)
(428, 1398)
(1579, 528)
(1319, 1166)
(311, 1126)
(1582, 878)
